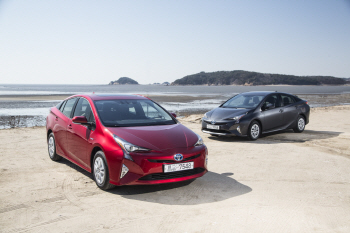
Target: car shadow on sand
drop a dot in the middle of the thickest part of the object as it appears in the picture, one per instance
(212, 187)
(283, 137)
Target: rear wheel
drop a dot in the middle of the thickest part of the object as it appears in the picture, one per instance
(51, 145)
(100, 171)
(300, 125)
(254, 130)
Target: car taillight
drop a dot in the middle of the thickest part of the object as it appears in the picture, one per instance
(306, 102)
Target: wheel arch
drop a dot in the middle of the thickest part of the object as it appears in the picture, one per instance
(49, 131)
(260, 123)
(303, 115)
(93, 152)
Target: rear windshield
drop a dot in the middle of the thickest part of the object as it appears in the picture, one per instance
(124, 113)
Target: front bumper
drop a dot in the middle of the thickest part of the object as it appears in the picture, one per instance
(147, 168)
(228, 128)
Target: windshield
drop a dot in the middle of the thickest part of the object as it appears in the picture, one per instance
(243, 101)
(123, 113)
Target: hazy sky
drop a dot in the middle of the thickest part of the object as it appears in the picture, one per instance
(94, 42)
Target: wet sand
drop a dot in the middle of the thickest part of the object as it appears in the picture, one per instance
(283, 182)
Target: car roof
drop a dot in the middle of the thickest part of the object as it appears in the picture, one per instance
(264, 93)
(106, 96)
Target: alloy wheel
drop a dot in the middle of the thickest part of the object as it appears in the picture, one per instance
(51, 145)
(255, 131)
(301, 123)
(99, 170)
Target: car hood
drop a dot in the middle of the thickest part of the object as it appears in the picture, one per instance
(223, 113)
(160, 137)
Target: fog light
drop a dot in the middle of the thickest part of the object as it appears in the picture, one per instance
(206, 156)
(125, 170)
(239, 129)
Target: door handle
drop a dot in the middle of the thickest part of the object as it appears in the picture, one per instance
(70, 126)
(56, 118)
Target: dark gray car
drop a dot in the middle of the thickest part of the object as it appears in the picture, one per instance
(253, 113)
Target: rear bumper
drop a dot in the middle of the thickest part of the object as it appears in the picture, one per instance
(147, 169)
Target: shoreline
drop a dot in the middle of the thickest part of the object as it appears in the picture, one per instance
(31, 110)
(27, 121)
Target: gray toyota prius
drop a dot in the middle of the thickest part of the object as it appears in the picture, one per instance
(254, 113)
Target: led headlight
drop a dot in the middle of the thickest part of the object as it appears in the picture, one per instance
(199, 142)
(205, 117)
(128, 147)
(236, 118)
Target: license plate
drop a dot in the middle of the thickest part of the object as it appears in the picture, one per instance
(213, 126)
(178, 167)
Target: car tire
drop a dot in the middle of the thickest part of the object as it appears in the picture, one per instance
(100, 171)
(51, 146)
(300, 125)
(254, 130)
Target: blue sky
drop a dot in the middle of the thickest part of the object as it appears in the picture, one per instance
(94, 42)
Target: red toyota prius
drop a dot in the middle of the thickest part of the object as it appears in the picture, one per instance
(124, 140)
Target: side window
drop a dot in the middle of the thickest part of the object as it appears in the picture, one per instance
(67, 109)
(274, 100)
(287, 99)
(62, 105)
(83, 109)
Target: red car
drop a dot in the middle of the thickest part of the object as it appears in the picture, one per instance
(124, 140)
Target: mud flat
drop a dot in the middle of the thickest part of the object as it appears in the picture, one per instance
(283, 182)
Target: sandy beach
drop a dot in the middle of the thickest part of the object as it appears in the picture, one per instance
(284, 182)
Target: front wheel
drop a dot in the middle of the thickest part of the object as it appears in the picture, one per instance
(300, 125)
(51, 146)
(100, 171)
(254, 130)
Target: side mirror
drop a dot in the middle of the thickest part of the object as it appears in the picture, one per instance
(173, 114)
(80, 120)
(267, 106)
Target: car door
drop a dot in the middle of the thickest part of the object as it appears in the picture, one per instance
(290, 111)
(62, 122)
(80, 137)
(272, 117)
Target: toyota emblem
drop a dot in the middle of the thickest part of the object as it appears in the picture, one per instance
(213, 122)
(178, 157)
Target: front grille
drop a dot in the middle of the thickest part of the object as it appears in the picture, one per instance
(172, 175)
(173, 161)
(209, 122)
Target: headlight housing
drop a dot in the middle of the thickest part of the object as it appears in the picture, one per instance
(128, 147)
(236, 118)
(205, 117)
(200, 141)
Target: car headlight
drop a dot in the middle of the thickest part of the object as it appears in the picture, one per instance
(205, 117)
(236, 118)
(128, 147)
(200, 141)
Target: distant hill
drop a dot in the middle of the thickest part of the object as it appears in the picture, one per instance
(241, 77)
(123, 81)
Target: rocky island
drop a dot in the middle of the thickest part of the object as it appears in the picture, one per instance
(241, 77)
(123, 81)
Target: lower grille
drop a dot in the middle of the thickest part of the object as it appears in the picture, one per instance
(173, 161)
(172, 175)
(216, 131)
